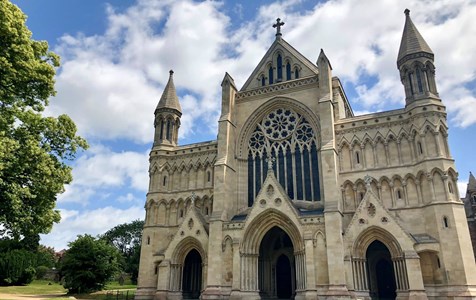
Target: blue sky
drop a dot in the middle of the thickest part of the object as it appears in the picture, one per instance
(116, 56)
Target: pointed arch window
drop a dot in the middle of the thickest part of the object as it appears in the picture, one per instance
(263, 82)
(296, 73)
(270, 74)
(288, 138)
(279, 61)
(168, 130)
(288, 71)
(161, 129)
(410, 82)
(419, 82)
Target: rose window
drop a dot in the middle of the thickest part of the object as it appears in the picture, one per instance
(289, 140)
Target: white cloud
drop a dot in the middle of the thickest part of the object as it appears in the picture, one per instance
(100, 169)
(91, 222)
(110, 83)
(462, 187)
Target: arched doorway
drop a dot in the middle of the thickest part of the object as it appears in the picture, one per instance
(380, 272)
(276, 269)
(192, 275)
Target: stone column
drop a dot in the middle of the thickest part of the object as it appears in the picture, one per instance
(311, 291)
(411, 265)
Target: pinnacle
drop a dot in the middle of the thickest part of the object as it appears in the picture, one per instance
(169, 97)
(412, 41)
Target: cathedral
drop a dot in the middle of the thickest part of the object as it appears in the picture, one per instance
(298, 198)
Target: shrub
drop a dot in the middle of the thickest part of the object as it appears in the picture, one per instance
(41, 272)
(17, 267)
(88, 264)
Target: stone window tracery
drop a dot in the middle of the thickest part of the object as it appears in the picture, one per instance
(288, 138)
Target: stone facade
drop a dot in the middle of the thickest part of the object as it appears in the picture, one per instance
(298, 198)
(470, 208)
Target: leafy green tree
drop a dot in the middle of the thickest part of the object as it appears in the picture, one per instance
(88, 264)
(46, 256)
(33, 148)
(16, 267)
(127, 239)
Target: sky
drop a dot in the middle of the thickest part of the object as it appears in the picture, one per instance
(116, 57)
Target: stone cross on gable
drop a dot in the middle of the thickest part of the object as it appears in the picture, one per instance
(368, 180)
(270, 161)
(193, 197)
(278, 26)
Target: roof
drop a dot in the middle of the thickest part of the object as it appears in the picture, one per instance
(471, 182)
(280, 43)
(169, 97)
(412, 41)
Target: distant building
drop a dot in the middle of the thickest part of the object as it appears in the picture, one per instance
(470, 208)
(298, 198)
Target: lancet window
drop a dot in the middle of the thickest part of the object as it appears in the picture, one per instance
(288, 139)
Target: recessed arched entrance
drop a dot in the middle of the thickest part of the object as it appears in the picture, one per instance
(276, 269)
(192, 275)
(380, 272)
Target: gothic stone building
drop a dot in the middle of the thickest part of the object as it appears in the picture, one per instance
(470, 208)
(300, 199)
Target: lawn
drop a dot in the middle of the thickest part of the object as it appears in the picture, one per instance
(35, 288)
(45, 287)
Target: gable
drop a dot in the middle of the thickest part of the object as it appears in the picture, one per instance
(370, 216)
(293, 66)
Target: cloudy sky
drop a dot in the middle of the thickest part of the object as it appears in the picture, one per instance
(116, 56)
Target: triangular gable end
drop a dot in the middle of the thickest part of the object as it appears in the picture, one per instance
(305, 67)
(272, 195)
(372, 213)
(193, 225)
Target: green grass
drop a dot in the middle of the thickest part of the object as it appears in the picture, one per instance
(42, 287)
(35, 288)
(114, 285)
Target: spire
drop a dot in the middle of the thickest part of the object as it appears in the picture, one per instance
(471, 182)
(169, 97)
(412, 42)
(167, 116)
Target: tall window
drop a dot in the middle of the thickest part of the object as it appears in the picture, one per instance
(168, 131)
(418, 76)
(288, 71)
(296, 73)
(262, 80)
(280, 68)
(288, 138)
(161, 129)
(410, 82)
(270, 75)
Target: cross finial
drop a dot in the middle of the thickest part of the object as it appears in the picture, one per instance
(368, 180)
(270, 161)
(278, 26)
(193, 197)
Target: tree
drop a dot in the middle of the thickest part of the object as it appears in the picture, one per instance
(33, 148)
(127, 239)
(88, 264)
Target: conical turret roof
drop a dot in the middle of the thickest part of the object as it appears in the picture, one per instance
(471, 182)
(412, 41)
(169, 97)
